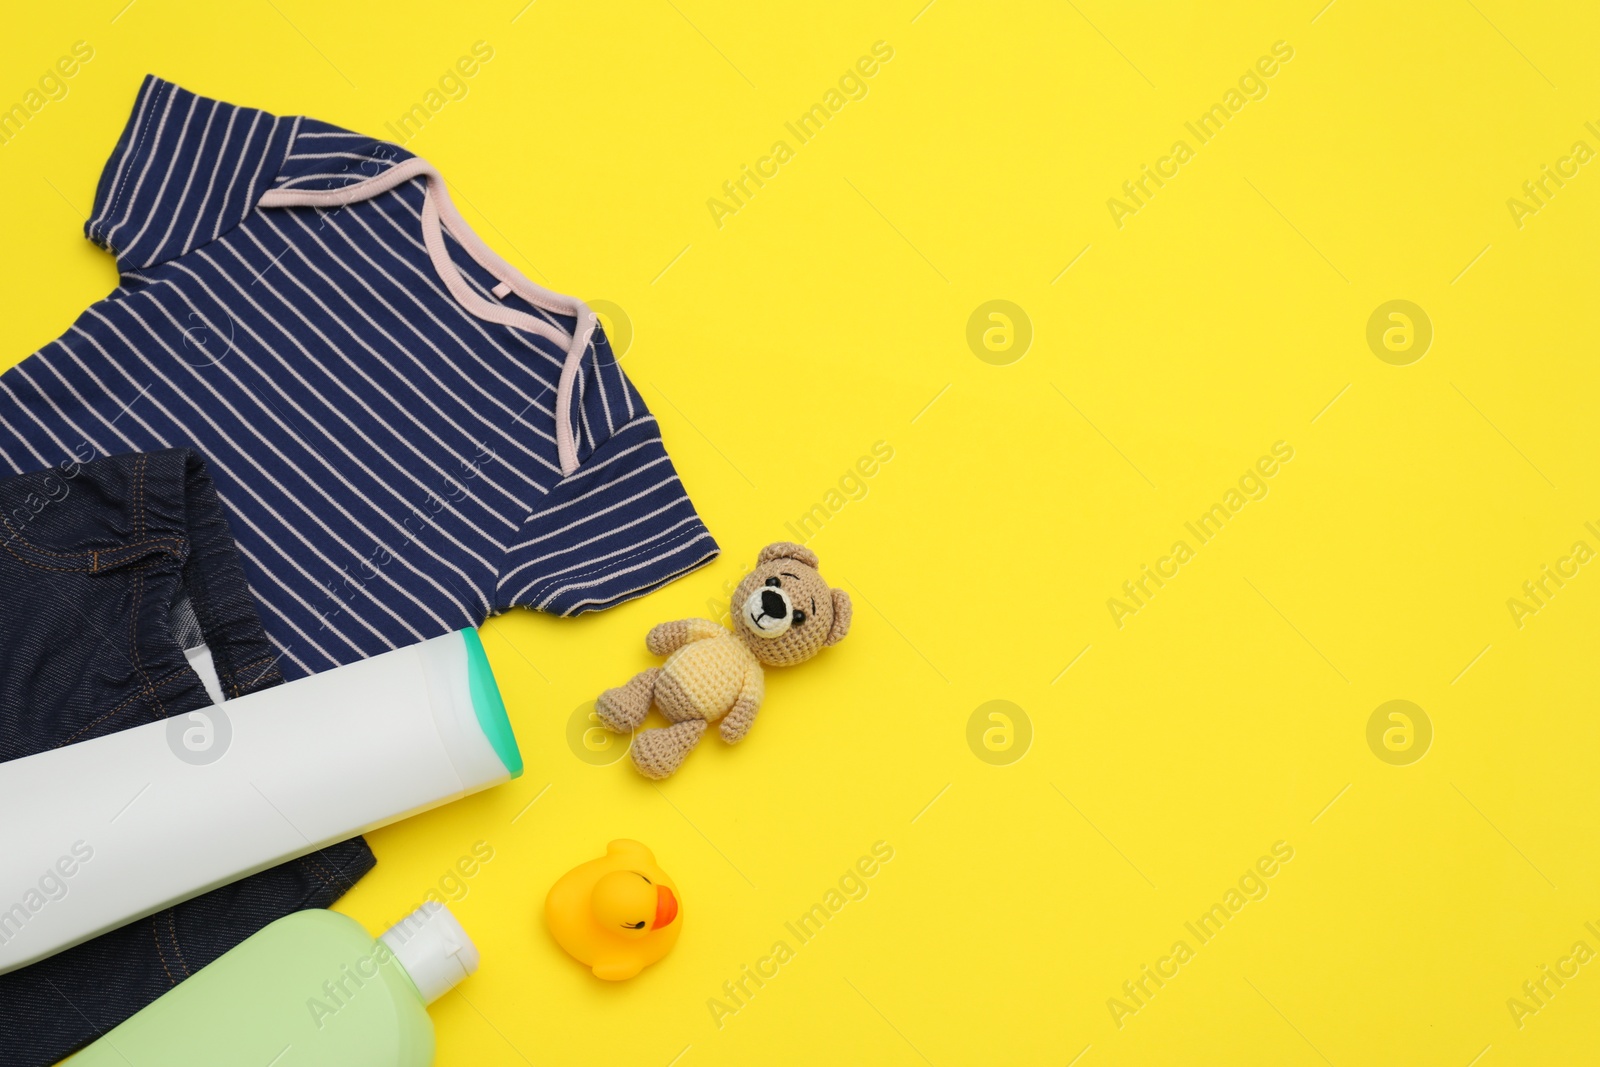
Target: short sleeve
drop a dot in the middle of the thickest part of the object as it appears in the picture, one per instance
(324, 157)
(185, 170)
(620, 525)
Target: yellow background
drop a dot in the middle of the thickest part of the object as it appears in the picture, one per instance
(1228, 714)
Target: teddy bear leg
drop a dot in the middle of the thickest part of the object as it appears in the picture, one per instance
(622, 709)
(659, 752)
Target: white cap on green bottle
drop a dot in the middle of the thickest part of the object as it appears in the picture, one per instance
(433, 948)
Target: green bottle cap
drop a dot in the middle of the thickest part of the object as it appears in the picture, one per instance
(490, 708)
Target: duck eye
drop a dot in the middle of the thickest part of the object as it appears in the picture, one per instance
(799, 617)
(773, 582)
(634, 926)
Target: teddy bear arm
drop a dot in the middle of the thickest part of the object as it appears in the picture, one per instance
(667, 637)
(737, 722)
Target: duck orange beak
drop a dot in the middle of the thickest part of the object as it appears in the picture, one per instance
(666, 907)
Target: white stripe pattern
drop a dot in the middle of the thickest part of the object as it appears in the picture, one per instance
(401, 451)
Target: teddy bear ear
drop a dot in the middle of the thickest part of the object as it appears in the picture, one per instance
(841, 617)
(787, 550)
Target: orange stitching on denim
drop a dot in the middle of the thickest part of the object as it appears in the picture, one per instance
(133, 644)
(342, 884)
(133, 631)
(323, 874)
(173, 927)
(176, 548)
(26, 562)
(155, 935)
(16, 535)
(305, 861)
(256, 682)
(138, 494)
(94, 555)
(163, 683)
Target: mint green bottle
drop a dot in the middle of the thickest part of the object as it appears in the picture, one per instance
(313, 989)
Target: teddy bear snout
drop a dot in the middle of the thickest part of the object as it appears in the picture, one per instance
(768, 612)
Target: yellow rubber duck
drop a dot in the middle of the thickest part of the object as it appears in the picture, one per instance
(617, 914)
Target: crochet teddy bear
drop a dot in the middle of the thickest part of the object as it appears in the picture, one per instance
(784, 613)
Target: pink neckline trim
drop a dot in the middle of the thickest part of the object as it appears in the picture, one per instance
(438, 214)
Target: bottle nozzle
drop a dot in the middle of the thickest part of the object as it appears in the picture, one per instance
(433, 948)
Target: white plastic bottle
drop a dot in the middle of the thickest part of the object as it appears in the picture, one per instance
(104, 832)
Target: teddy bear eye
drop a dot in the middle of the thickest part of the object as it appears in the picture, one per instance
(773, 582)
(799, 617)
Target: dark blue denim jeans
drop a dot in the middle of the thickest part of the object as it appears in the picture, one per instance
(108, 570)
